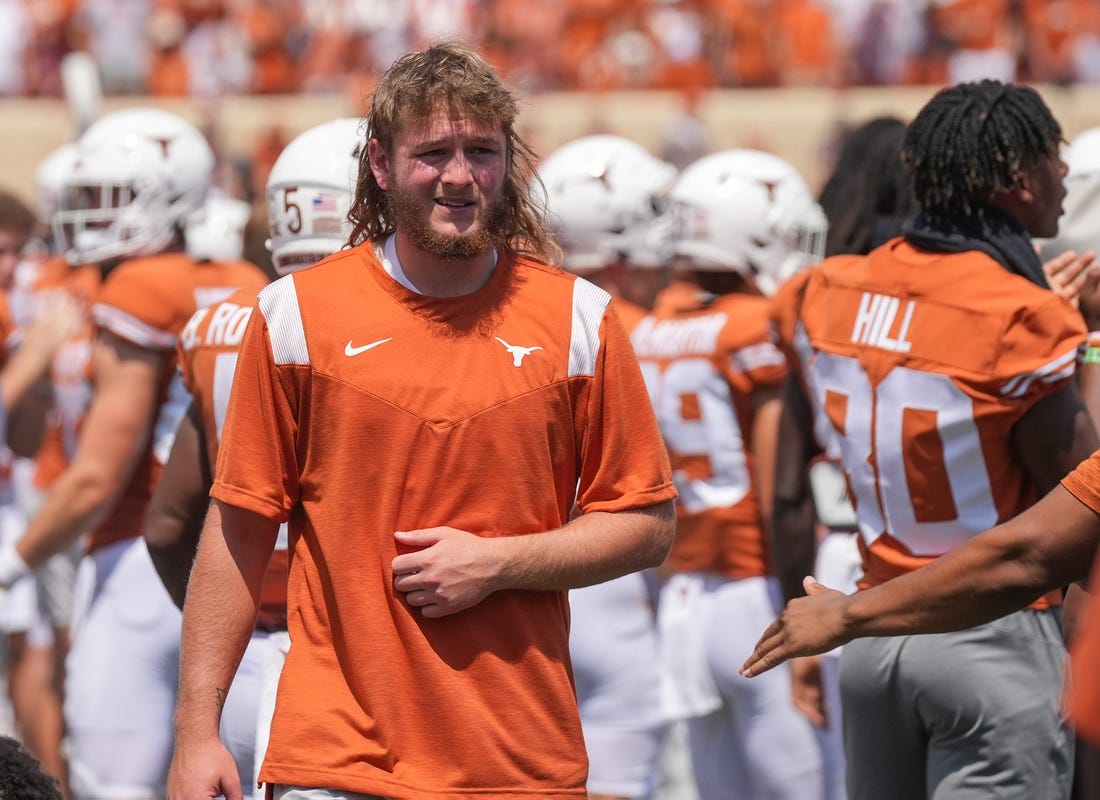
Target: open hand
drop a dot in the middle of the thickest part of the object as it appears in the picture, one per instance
(1067, 273)
(807, 626)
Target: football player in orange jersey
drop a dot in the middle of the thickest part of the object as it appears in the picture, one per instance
(424, 409)
(309, 191)
(138, 174)
(944, 368)
(867, 199)
(742, 221)
(28, 342)
(603, 193)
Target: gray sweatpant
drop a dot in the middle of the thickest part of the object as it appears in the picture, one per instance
(959, 716)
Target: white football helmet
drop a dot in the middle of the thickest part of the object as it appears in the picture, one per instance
(215, 232)
(747, 211)
(598, 189)
(50, 178)
(1082, 156)
(647, 245)
(138, 174)
(309, 192)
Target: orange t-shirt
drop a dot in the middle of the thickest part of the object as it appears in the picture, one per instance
(207, 352)
(923, 363)
(359, 409)
(1083, 687)
(147, 301)
(703, 361)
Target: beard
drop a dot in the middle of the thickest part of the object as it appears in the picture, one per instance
(408, 217)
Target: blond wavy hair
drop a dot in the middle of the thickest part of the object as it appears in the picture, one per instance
(454, 76)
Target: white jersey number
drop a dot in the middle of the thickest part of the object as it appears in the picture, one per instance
(706, 428)
(225, 364)
(873, 451)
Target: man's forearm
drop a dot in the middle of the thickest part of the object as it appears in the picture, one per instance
(219, 614)
(793, 543)
(174, 520)
(792, 534)
(449, 570)
(77, 502)
(173, 553)
(590, 549)
(1003, 570)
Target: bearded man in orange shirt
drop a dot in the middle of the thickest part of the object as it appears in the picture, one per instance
(424, 408)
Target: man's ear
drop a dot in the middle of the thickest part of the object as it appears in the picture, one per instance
(1021, 185)
(1015, 197)
(379, 164)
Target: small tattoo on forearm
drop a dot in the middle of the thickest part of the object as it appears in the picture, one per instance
(221, 698)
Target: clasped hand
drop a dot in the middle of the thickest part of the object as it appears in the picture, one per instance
(448, 571)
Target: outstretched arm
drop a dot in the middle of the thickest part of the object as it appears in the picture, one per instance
(993, 574)
(112, 441)
(997, 572)
(456, 570)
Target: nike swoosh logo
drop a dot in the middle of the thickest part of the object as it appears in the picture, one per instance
(354, 351)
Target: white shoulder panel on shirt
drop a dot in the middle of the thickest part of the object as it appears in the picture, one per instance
(278, 302)
(589, 304)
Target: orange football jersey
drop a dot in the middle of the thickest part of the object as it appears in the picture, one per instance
(787, 331)
(207, 353)
(72, 388)
(922, 364)
(361, 408)
(789, 336)
(147, 301)
(1083, 687)
(702, 361)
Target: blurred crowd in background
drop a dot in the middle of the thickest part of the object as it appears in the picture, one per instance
(211, 48)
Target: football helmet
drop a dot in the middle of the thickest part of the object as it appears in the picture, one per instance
(50, 177)
(1082, 156)
(215, 232)
(309, 192)
(598, 189)
(646, 245)
(746, 211)
(138, 174)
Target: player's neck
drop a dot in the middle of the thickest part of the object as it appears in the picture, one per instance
(442, 277)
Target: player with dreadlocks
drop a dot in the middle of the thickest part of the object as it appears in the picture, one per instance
(984, 164)
(941, 373)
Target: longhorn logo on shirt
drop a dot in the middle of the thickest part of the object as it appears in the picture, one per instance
(518, 353)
